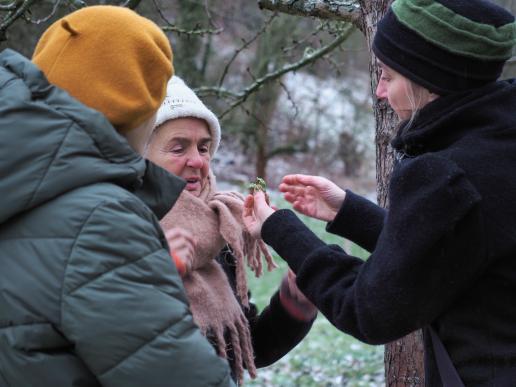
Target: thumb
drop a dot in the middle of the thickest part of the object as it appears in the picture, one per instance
(259, 199)
(261, 209)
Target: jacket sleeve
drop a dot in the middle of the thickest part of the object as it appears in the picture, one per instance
(424, 257)
(125, 309)
(273, 331)
(359, 220)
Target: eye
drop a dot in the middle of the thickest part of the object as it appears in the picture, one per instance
(384, 76)
(203, 149)
(177, 149)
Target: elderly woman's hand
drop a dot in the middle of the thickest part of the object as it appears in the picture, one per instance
(256, 211)
(182, 247)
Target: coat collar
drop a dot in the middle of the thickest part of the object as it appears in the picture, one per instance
(449, 118)
(159, 189)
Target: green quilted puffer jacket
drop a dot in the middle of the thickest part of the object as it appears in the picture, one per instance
(88, 293)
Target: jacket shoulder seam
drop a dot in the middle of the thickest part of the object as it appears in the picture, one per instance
(29, 204)
(61, 298)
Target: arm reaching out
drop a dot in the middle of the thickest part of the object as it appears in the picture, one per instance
(313, 196)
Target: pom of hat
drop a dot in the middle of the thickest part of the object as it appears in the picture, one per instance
(446, 45)
(182, 102)
(110, 59)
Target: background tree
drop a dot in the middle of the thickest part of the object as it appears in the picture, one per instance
(242, 78)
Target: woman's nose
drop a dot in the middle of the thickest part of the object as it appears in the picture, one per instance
(195, 160)
(381, 91)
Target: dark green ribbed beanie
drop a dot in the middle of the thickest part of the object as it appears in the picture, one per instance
(446, 45)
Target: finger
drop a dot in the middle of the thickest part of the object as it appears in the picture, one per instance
(185, 252)
(178, 232)
(248, 205)
(190, 251)
(172, 233)
(289, 183)
(289, 197)
(300, 179)
(289, 179)
(299, 206)
(286, 187)
(186, 239)
(189, 238)
(180, 238)
(309, 180)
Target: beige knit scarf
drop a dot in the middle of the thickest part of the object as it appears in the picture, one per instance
(215, 219)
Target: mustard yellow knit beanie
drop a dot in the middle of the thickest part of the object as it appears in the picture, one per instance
(109, 58)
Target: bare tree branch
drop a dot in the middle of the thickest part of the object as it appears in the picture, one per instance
(299, 42)
(8, 7)
(131, 3)
(308, 58)
(344, 10)
(244, 46)
(200, 31)
(289, 97)
(172, 27)
(77, 4)
(289, 149)
(20, 7)
(46, 18)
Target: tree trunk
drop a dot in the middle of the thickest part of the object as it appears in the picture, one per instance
(187, 60)
(264, 105)
(404, 357)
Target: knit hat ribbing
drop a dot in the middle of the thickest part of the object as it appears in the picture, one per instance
(109, 58)
(182, 102)
(446, 45)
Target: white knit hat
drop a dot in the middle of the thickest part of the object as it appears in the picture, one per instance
(182, 102)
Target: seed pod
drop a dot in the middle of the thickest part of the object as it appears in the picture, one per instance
(259, 185)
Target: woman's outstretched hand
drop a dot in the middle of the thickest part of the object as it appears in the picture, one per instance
(313, 196)
(256, 211)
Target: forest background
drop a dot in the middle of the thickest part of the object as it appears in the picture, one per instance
(294, 96)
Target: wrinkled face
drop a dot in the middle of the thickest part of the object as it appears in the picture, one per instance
(395, 88)
(182, 147)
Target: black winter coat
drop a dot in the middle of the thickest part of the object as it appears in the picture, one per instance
(274, 331)
(445, 252)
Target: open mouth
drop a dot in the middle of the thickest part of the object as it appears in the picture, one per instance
(192, 183)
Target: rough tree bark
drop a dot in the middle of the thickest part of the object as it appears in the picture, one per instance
(403, 358)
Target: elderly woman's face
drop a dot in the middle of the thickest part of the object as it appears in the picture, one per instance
(182, 147)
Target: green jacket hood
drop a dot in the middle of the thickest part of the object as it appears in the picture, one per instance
(51, 144)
